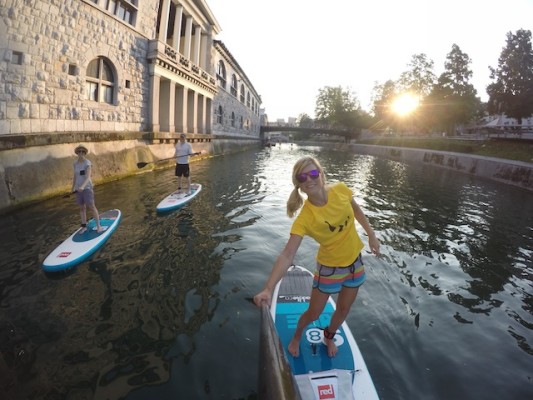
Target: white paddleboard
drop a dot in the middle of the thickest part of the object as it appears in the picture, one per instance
(317, 375)
(178, 198)
(80, 246)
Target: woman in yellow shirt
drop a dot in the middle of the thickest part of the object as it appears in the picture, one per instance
(327, 215)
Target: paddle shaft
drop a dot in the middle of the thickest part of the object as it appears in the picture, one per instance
(144, 164)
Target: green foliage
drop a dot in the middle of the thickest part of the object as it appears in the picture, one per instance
(512, 91)
(419, 78)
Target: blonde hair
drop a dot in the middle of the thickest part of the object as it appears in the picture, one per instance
(296, 200)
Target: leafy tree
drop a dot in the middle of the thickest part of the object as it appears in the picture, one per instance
(383, 95)
(304, 121)
(452, 100)
(336, 106)
(512, 91)
(419, 79)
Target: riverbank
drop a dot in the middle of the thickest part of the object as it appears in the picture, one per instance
(515, 173)
(36, 167)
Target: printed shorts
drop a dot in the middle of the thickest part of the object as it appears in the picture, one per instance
(182, 170)
(85, 197)
(332, 279)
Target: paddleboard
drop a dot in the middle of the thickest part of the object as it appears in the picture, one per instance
(317, 375)
(80, 246)
(178, 198)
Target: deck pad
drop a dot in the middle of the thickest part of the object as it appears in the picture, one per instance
(178, 198)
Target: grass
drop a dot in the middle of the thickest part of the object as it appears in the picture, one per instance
(509, 149)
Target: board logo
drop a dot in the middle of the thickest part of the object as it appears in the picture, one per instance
(325, 392)
(64, 254)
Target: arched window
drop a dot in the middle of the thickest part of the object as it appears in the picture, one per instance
(232, 119)
(242, 122)
(219, 115)
(242, 94)
(248, 100)
(221, 74)
(234, 85)
(100, 84)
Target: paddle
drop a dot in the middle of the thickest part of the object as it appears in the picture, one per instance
(144, 164)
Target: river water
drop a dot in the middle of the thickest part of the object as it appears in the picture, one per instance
(163, 310)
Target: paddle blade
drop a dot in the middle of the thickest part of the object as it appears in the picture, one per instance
(142, 164)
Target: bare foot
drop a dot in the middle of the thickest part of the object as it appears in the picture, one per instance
(332, 347)
(294, 347)
(99, 229)
(83, 230)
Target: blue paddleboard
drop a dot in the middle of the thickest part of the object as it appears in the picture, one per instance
(178, 198)
(80, 246)
(317, 375)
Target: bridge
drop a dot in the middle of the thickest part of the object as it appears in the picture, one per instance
(326, 131)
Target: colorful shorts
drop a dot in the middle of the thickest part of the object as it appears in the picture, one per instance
(332, 279)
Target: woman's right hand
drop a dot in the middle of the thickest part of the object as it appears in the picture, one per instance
(263, 298)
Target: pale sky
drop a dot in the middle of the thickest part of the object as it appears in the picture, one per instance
(289, 49)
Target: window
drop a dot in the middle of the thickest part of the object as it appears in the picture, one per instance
(234, 85)
(16, 58)
(242, 94)
(242, 123)
(72, 69)
(232, 119)
(248, 100)
(126, 10)
(221, 74)
(219, 115)
(100, 85)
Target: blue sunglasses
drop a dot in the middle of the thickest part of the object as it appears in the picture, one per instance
(313, 174)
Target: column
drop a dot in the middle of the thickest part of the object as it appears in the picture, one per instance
(163, 24)
(188, 37)
(197, 43)
(208, 115)
(167, 99)
(203, 53)
(154, 102)
(192, 109)
(176, 37)
(201, 114)
(181, 109)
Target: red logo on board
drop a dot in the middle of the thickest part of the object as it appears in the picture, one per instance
(64, 254)
(325, 392)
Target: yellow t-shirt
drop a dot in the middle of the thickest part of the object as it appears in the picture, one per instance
(332, 226)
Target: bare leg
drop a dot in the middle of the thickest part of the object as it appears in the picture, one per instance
(83, 216)
(316, 305)
(345, 300)
(96, 217)
(188, 184)
(179, 183)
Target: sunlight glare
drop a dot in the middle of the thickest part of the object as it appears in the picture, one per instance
(405, 104)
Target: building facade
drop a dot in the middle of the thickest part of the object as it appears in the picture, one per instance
(124, 77)
(118, 66)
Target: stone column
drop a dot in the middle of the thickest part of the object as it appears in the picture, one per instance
(163, 24)
(201, 114)
(208, 115)
(192, 110)
(197, 44)
(154, 102)
(176, 37)
(167, 97)
(188, 37)
(181, 105)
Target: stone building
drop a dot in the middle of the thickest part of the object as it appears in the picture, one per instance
(126, 77)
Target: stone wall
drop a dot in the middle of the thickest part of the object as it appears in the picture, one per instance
(45, 49)
(515, 173)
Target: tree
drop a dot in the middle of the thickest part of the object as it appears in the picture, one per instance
(383, 96)
(304, 121)
(512, 91)
(452, 100)
(419, 79)
(336, 107)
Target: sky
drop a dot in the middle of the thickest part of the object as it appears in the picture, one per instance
(290, 49)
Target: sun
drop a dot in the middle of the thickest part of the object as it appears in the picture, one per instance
(405, 104)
